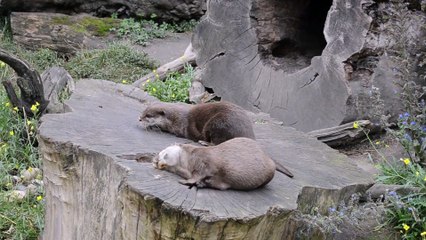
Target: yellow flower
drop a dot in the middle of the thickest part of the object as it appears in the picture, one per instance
(154, 89)
(154, 71)
(147, 81)
(2, 64)
(423, 234)
(30, 169)
(39, 198)
(417, 174)
(406, 161)
(15, 109)
(405, 226)
(37, 104)
(377, 142)
(124, 81)
(157, 76)
(34, 108)
(7, 104)
(356, 125)
(173, 95)
(424, 179)
(11, 133)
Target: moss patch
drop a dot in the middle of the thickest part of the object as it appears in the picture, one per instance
(90, 25)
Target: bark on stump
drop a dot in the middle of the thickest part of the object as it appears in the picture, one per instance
(96, 190)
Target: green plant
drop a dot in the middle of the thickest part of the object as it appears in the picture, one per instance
(406, 213)
(118, 62)
(174, 88)
(142, 31)
(21, 219)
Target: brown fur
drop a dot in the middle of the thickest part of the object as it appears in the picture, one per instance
(238, 163)
(211, 122)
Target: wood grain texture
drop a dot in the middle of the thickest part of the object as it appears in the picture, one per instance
(90, 183)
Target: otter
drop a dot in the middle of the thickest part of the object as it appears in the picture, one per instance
(238, 164)
(208, 122)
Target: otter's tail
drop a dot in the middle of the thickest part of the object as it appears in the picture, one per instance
(282, 169)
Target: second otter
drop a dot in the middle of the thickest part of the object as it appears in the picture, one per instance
(238, 163)
(210, 122)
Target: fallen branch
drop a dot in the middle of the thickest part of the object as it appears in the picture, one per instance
(342, 134)
(29, 83)
(173, 66)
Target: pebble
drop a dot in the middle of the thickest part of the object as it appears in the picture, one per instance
(16, 195)
(30, 174)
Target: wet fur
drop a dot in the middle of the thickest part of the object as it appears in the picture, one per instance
(238, 163)
(210, 122)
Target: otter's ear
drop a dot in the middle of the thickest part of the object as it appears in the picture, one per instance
(161, 112)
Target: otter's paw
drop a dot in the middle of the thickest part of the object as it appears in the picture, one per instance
(189, 182)
(204, 143)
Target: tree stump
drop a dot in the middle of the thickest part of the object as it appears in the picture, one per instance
(100, 184)
(311, 64)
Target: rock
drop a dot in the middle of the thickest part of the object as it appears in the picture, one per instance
(31, 189)
(56, 81)
(381, 191)
(171, 10)
(16, 179)
(93, 180)
(17, 195)
(196, 92)
(37, 182)
(311, 64)
(29, 174)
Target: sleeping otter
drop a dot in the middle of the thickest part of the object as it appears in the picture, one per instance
(238, 163)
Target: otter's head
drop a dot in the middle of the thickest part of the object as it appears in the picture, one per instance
(168, 159)
(154, 117)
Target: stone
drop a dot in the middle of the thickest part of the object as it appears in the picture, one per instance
(311, 64)
(30, 174)
(100, 184)
(171, 10)
(17, 195)
(381, 191)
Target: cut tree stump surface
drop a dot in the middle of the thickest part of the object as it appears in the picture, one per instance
(93, 181)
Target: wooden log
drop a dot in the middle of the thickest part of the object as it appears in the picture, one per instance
(288, 59)
(96, 190)
(342, 134)
(176, 65)
(29, 83)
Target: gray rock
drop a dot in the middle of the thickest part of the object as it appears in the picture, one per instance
(381, 191)
(93, 181)
(311, 64)
(31, 189)
(29, 174)
(17, 195)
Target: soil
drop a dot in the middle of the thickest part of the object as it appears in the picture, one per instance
(166, 49)
(366, 155)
